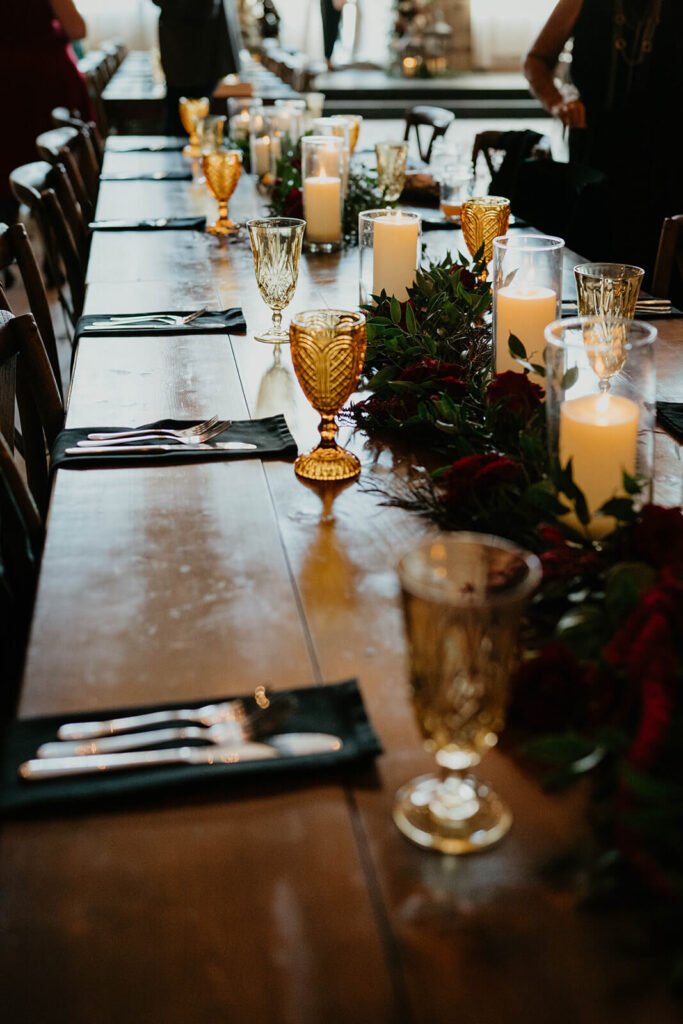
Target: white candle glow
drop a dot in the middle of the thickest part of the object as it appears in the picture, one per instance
(260, 155)
(524, 312)
(322, 207)
(394, 253)
(598, 433)
(239, 126)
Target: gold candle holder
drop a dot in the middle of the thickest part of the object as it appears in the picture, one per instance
(328, 348)
(484, 218)
(192, 110)
(222, 171)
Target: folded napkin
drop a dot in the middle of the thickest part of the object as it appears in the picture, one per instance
(670, 416)
(270, 435)
(230, 320)
(149, 176)
(160, 224)
(164, 144)
(337, 709)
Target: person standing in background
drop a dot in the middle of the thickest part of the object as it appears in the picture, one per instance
(627, 65)
(195, 51)
(37, 72)
(331, 12)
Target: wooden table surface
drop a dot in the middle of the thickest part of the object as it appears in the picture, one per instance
(292, 902)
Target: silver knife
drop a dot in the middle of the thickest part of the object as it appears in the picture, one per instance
(159, 222)
(152, 449)
(285, 745)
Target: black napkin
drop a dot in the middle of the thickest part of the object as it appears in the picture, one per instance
(270, 435)
(670, 416)
(230, 320)
(158, 224)
(165, 144)
(149, 176)
(336, 709)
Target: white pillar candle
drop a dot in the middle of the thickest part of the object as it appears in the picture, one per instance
(260, 155)
(394, 254)
(322, 208)
(598, 433)
(275, 148)
(239, 126)
(525, 312)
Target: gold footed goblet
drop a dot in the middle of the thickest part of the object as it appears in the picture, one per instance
(328, 348)
(484, 218)
(222, 171)
(463, 598)
(192, 110)
(276, 246)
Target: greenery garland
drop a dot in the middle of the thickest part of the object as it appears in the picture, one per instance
(600, 682)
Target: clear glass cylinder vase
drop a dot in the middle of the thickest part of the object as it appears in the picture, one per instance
(323, 196)
(600, 408)
(389, 252)
(527, 296)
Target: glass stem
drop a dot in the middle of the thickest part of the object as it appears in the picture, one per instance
(277, 320)
(222, 209)
(328, 432)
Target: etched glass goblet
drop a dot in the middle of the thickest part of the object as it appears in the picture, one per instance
(328, 348)
(222, 171)
(463, 598)
(391, 168)
(276, 247)
(607, 289)
(484, 218)
(192, 110)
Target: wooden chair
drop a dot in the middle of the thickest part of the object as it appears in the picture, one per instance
(437, 118)
(96, 69)
(92, 141)
(46, 190)
(65, 146)
(16, 248)
(667, 279)
(27, 380)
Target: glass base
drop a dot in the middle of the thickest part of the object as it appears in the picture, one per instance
(314, 247)
(192, 151)
(223, 227)
(327, 464)
(274, 336)
(452, 815)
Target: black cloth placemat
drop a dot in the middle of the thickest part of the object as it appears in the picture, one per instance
(337, 709)
(231, 320)
(270, 435)
(166, 144)
(670, 416)
(149, 176)
(158, 224)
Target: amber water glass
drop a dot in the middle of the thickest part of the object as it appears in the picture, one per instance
(222, 171)
(483, 218)
(192, 110)
(276, 247)
(463, 599)
(328, 348)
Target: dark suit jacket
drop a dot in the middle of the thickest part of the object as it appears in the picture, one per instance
(194, 42)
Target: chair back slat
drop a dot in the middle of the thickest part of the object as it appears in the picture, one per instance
(65, 146)
(667, 279)
(437, 118)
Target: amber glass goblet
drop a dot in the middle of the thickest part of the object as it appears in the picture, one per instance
(276, 246)
(328, 348)
(222, 171)
(192, 110)
(463, 599)
(483, 218)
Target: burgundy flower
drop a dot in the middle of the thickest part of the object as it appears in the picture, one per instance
(658, 537)
(467, 278)
(564, 561)
(549, 692)
(515, 392)
(476, 475)
(293, 205)
(400, 408)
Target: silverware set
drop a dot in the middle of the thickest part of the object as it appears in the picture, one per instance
(162, 439)
(153, 319)
(229, 734)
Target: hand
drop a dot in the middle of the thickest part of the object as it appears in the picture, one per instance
(572, 114)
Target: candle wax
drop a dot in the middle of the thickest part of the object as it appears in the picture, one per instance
(524, 312)
(394, 254)
(322, 208)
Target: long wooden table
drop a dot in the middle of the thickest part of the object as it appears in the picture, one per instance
(287, 901)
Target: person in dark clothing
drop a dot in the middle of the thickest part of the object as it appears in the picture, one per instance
(627, 65)
(195, 51)
(331, 12)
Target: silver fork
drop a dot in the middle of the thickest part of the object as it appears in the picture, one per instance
(197, 438)
(194, 434)
(209, 714)
(161, 318)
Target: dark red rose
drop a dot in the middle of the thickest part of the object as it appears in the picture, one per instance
(658, 537)
(515, 393)
(549, 692)
(475, 475)
(426, 369)
(454, 387)
(296, 163)
(467, 278)
(655, 721)
(293, 205)
(564, 561)
(400, 408)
